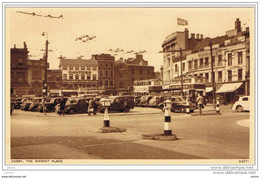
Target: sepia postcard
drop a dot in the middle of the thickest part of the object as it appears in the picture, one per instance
(129, 84)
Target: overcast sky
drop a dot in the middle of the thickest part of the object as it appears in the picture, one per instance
(125, 28)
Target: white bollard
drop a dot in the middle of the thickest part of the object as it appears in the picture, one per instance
(187, 108)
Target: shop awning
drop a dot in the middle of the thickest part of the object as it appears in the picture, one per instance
(209, 89)
(229, 87)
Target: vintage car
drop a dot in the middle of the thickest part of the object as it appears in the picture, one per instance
(17, 103)
(76, 105)
(36, 102)
(179, 105)
(242, 104)
(119, 103)
(144, 100)
(50, 104)
(26, 102)
(155, 100)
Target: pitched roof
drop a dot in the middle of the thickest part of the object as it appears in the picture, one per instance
(205, 42)
(80, 62)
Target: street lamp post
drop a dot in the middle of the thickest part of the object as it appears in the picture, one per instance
(181, 73)
(45, 71)
(212, 77)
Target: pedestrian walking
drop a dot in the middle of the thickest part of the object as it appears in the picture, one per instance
(62, 106)
(94, 107)
(90, 106)
(200, 103)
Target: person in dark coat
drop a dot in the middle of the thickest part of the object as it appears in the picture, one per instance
(62, 106)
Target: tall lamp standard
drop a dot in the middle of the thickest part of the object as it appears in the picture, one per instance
(45, 88)
(212, 76)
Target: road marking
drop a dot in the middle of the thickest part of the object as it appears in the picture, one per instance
(115, 143)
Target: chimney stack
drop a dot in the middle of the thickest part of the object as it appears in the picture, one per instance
(197, 36)
(192, 35)
(201, 36)
(24, 45)
(238, 25)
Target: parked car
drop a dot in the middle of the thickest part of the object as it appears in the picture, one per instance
(36, 102)
(144, 100)
(50, 104)
(137, 100)
(155, 100)
(17, 103)
(76, 105)
(243, 104)
(120, 103)
(179, 105)
(26, 102)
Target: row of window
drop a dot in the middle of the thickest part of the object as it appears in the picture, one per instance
(220, 76)
(106, 73)
(106, 83)
(79, 77)
(78, 68)
(141, 71)
(107, 64)
(204, 62)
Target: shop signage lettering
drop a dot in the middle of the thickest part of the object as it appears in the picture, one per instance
(79, 72)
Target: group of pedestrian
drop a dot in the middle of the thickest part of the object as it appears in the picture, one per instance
(199, 101)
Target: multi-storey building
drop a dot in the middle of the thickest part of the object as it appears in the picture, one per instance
(227, 53)
(27, 75)
(19, 73)
(36, 70)
(129, 70)
(78, 73)
(106, 71)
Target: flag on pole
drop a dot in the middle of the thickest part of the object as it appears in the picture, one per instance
(182, 22)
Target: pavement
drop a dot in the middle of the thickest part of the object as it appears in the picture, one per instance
(78, 136)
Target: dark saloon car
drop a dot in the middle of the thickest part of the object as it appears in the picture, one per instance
(17, 103)
(76, 105)
(179, 105)
(50, 104)
(120, 103)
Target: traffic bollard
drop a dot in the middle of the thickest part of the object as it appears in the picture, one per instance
(217, 106)
(107, 129)
(167, 118)
(106, 118)
(187, 108)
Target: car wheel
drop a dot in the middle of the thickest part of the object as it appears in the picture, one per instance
(127, 109)
(239, 108)
(71, 111)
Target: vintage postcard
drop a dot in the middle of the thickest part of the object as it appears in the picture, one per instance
(150, 84)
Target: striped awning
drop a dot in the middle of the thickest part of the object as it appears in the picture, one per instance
(229, 87)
